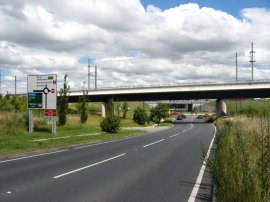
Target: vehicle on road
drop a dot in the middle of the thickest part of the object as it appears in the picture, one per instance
(184, 116)
(200, 117)
(179, 117)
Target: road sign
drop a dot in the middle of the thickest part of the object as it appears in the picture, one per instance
(34, 100)
(50, 112)
(42, 93)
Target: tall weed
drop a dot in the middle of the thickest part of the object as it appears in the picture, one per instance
(241, 163)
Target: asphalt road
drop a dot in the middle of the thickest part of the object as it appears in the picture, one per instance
(161, 166)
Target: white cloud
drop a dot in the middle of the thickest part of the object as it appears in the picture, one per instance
(182, 44)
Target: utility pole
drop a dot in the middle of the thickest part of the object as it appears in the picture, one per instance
(236, 77)
(236, 68)
(0, 82)
(95, 77)
(252, 60)
(88, 74)
(15, 85)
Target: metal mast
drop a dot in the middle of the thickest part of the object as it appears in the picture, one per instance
(88, 74)
(95, 77)
(236, 68)
(0, 82)
(252, 60)
(15, 85)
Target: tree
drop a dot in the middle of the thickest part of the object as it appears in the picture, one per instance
(140, 116)
(63, 102)
(118, 109)
(83, 103)
(111, 123)
(159, 112)
(125, 109)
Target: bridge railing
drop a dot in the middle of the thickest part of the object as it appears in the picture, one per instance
(249, 82)
(227, 83)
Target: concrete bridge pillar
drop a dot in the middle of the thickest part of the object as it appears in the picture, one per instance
(104, 109)
(221, 108)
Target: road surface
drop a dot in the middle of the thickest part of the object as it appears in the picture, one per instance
(159, 167)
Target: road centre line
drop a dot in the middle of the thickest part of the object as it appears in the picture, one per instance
(175, 134)
(75, 148)
(85, 167)
(196, 187)
(182, 131)
(153, 143)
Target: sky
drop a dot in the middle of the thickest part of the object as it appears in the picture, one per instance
(133, 42)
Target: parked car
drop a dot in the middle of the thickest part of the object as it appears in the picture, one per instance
(200, 117)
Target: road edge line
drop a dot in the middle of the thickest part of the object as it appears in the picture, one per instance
(196, 187)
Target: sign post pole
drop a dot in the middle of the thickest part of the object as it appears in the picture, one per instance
(31, 122)
(54, 125)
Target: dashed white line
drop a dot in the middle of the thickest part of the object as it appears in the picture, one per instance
(79, 169)
(153, 143)
(182, 131)
(175, 134)
(196, 187)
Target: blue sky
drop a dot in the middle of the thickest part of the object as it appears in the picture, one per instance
(232, 7)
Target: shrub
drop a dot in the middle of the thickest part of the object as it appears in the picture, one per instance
(140, 116)
(110, 124)
(161, 111)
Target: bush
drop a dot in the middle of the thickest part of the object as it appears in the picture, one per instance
(161, 111)
(140, 116)
(110, 124)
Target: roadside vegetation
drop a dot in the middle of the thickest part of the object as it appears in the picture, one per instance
(241, 162)
(81, 123)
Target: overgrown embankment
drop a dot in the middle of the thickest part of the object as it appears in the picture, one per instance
(241, 164)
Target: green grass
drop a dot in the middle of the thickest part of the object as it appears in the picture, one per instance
(239, 106)
(14, 137)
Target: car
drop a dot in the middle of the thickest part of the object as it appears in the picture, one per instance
(184, 116)
(179, 117)
(200, 117)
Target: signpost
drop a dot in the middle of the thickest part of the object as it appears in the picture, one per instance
(42, 94)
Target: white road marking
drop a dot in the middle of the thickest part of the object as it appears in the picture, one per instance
(26, 157)
(153, 143)
(75, 148)
(79, 169)
(175, 134)
(65, 137)
(196, 187)
(182, 131)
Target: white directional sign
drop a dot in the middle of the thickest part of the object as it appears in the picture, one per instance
(42, 91)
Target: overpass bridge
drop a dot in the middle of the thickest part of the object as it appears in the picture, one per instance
(218, 91)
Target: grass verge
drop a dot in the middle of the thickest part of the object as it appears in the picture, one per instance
(241, 164)
(15, 139)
